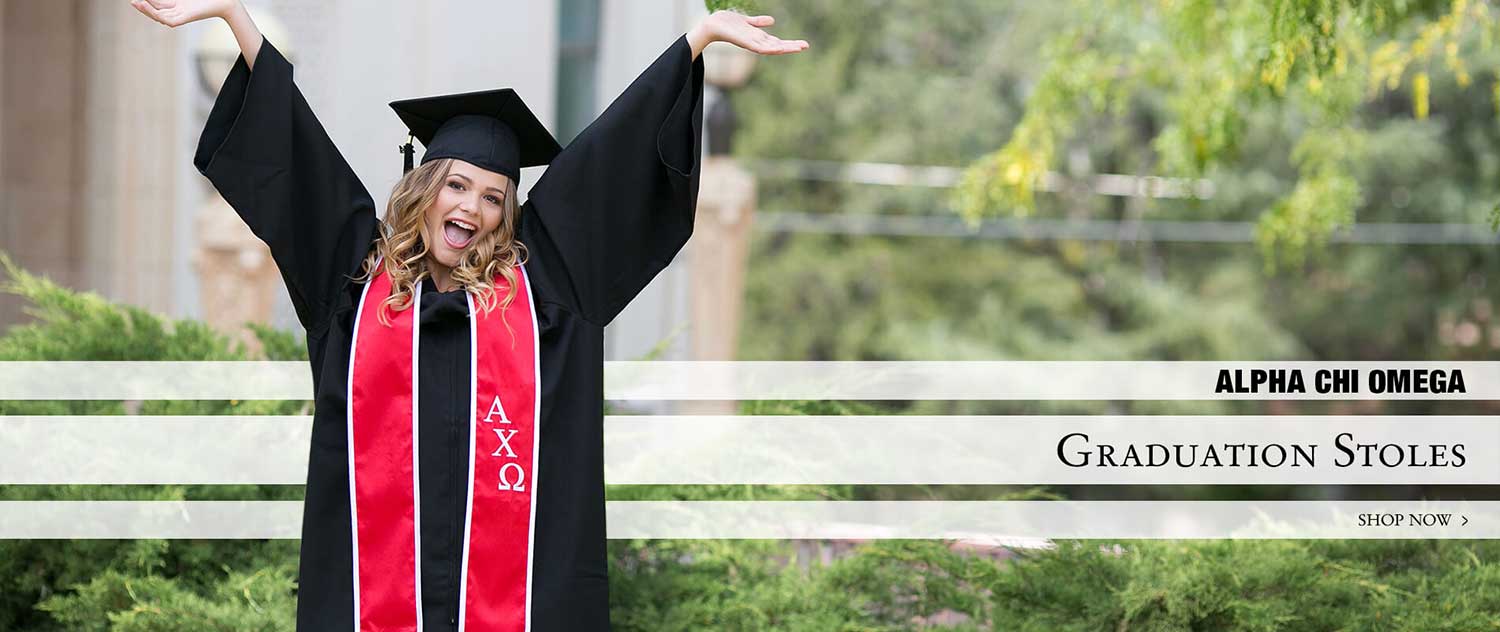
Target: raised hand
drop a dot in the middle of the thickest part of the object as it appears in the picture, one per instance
(743, 31)
(176, 13)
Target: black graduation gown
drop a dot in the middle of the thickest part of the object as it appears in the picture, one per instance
(609, 214)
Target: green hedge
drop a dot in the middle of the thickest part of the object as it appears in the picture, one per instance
(667, 585)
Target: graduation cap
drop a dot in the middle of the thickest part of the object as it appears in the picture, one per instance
(492, 129)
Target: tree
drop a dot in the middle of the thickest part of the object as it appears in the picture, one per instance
(1199, 70)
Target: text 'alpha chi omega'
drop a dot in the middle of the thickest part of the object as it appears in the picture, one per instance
(1380, 381)
(512, 472)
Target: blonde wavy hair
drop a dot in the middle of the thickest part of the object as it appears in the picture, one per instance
(401, 248)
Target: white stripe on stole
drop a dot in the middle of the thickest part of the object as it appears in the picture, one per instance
(463, 570)
(349, 425)
(536, 435)
(416, 463)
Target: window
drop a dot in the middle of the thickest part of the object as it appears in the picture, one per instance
(577, 59)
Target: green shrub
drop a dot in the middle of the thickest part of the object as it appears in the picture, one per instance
(667, 585)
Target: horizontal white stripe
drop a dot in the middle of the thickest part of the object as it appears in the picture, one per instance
(130, 519)
(980, 520)
(661, 380)
(1059, 520)
(991, 380)
(810, 450)
(1024, 450)
(995, 522)
(151, 450)
(155, 380)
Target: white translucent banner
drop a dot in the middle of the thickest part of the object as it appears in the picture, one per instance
(137, 519)
(998, 522)
(813, 450)
(154, 450)
(1001, 520)
(155, 380)
(1050, 380)
(821, 380)
(1054, 450)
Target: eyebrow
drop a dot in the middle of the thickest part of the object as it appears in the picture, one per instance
(467, 179)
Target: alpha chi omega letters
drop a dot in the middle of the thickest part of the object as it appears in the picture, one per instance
(495, 593)
(509, 469)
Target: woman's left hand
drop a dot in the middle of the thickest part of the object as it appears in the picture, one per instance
(743, 31)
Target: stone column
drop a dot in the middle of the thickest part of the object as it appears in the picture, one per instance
(717, 255)
(721, 233)
(41, 170)
(238, 281)
(128, 170)
(720, 244)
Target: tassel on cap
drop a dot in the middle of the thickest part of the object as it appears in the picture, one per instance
(493, 130)
(407, 151)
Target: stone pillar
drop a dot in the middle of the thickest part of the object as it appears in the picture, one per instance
(717, 255)
(720, 244)
(721, 231)
(238, 281)
(128, 172)
(41, 170)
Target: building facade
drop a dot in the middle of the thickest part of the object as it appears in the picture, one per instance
(100, 110)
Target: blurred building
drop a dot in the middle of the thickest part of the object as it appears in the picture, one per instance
(100, 111)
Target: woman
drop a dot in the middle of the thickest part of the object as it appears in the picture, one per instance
(455, 476)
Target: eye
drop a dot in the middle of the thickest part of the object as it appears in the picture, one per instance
(493, 200)
(456, 185)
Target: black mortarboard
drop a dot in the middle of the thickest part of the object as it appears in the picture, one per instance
(492, 129)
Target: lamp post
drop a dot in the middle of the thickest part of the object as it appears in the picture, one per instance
(721, 235)
(237, 279)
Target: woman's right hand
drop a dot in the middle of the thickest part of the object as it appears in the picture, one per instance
(176, 13)
(179, 12)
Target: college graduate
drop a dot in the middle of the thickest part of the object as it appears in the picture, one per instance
(455, 475)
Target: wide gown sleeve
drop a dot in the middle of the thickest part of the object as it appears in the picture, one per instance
(617, 204)
(271, 159)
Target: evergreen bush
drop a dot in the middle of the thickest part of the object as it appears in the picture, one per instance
(737, 585)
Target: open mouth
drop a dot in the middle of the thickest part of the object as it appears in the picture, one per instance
(458, 233)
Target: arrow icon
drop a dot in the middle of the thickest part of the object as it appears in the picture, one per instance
(1466, 520)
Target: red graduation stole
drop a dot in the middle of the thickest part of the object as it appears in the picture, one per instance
(505, 402)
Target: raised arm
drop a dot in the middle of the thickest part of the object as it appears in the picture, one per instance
(267, 154)
(617, 204)
(175, 13)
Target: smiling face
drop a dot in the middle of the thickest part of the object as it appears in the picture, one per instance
(469, 205)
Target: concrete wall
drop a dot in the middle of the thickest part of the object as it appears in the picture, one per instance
(632, 35)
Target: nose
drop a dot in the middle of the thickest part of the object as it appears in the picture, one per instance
(468, 204)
